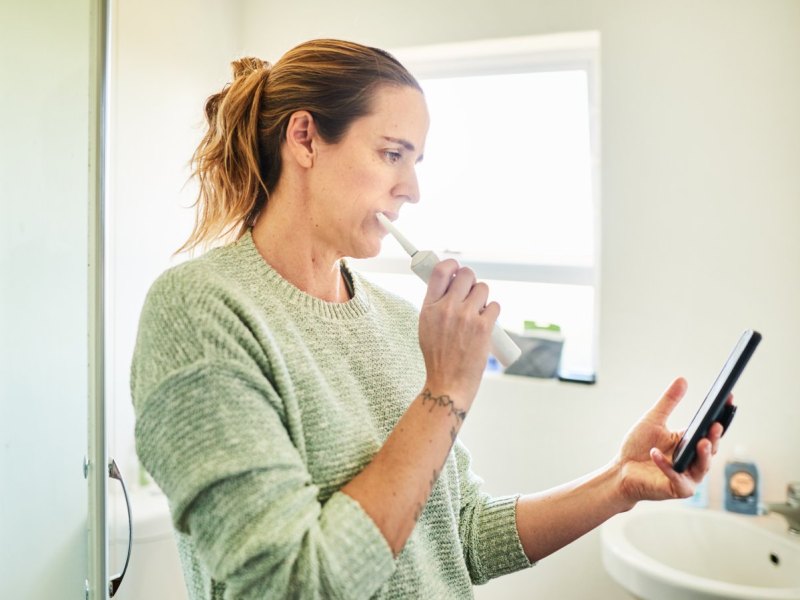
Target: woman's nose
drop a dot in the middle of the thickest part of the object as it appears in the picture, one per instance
(409, 186)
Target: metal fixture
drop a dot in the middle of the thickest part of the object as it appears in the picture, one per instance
(790, 510)
(116, 580)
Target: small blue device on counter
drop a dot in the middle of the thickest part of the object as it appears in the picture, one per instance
(741, 487)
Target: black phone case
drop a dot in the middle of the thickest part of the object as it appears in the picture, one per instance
(718, 411)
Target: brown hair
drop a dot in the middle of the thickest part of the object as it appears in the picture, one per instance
(238, 161)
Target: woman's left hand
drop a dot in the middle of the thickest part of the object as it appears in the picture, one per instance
(646, 471)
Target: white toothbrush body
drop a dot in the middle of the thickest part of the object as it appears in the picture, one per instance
(422, 263)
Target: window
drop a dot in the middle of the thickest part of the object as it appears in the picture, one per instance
(510, 180)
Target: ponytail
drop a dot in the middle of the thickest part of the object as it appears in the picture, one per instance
(227, 162)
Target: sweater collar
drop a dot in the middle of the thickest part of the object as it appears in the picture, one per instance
(357, 306)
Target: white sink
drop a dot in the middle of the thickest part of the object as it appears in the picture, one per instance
(669, 551)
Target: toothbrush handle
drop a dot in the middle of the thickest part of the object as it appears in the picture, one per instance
(502, 346)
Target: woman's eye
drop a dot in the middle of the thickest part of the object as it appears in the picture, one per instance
(392, 156)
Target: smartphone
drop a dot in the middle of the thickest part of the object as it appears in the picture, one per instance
(714, 406)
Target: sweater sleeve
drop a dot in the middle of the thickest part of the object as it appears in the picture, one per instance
(487, 527)
(210, 430)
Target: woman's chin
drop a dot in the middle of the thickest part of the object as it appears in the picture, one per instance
(367, 250)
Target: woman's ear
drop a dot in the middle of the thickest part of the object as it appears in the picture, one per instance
(301, 138)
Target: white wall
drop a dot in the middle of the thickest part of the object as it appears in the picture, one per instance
(700, 230)
(167, 58)
(44, 218)
(700, 214)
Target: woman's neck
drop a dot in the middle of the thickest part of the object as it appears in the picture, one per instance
(286, 240)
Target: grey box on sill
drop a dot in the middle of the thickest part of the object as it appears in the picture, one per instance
(540, 355)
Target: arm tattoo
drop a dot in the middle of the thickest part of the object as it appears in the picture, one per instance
(445, 401)
(431, 483)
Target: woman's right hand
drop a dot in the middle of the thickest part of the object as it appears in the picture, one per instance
(455, 328)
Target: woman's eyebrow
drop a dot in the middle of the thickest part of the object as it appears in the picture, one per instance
(405, 143)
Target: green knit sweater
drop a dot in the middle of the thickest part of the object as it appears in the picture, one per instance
(255, 403)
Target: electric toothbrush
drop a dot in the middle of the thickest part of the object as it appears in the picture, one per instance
(422, 263)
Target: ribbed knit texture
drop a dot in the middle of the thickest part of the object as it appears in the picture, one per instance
(255, 403)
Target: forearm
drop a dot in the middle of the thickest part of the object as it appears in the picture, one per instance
(394, 487)
(548, 521)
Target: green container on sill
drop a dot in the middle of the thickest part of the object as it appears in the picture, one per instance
(541, 347)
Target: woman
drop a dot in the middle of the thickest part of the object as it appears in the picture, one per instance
(303, 422)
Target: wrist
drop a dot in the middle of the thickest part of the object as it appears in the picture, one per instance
(620, 495)
(435, 396)
(460, 391)
(447, 408)
(442, 393)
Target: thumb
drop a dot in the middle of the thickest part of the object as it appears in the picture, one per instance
(666, 404)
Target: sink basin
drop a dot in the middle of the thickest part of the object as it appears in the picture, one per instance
(668, 551)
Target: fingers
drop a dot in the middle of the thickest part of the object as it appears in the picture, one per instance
(662, 462)
(702, 461)
(677, 483)
(669, 400)
(491, 311)
(449, 277)
(440, 279)
(701, 464)
(714, 434)
(460, 283)
(682, 484)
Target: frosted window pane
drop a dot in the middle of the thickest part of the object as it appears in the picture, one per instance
(507, 169)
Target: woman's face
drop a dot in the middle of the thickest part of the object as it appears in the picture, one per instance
(372, 169)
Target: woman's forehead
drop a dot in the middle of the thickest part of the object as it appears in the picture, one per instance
(399, 113)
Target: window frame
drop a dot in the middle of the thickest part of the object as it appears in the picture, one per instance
(536, 53)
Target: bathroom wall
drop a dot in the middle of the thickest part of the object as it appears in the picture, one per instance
(700, 224)
(166, 58)
(700, 215)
